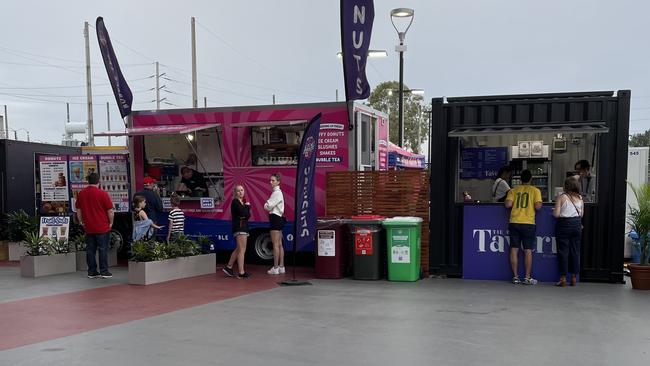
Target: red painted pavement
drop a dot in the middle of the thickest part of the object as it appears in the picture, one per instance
(49, 317)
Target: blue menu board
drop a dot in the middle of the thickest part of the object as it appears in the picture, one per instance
(482, 162)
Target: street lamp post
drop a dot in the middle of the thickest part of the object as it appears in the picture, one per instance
(404, 13)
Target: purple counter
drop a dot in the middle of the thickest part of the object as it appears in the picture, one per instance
(486, 244)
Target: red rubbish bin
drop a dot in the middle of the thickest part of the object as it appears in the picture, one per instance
(330, 258)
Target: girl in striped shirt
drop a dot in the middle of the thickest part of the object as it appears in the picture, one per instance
(176, 219)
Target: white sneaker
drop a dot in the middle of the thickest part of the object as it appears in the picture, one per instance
(274, 271)
(281, 270)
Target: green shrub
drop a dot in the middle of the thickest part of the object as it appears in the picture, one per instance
(186, 247)
(19, 223)
(58, 246)
(35, 244)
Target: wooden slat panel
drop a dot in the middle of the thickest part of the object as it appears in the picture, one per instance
(386, 193)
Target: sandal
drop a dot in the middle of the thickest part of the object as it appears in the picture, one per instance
(561, 283)
(574, 280)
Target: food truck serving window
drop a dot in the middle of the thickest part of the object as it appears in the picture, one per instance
(276, 145)
(189, 164)
(550, 156)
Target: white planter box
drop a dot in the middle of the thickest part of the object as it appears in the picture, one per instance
(147, 273)
(45, 265)
(83, 266)
(16, 250)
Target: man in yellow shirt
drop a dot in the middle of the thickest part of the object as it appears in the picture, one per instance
(524, 201)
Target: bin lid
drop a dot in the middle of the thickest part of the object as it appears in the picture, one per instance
(365, 220)
(403, 221)
(328, 222)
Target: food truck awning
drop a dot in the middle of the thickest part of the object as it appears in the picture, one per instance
(596, 127)
(160, 130)
(269, 123)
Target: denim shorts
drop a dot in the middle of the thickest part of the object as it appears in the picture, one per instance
(522, 235)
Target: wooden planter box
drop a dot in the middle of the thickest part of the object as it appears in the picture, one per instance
(16, 250)
(45, 265)
(147, 273)
(4, 250)
(83, 266)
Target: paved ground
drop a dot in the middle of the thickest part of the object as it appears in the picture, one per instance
(333, 322)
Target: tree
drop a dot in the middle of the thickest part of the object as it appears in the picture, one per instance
(640, 139)
(416, 116)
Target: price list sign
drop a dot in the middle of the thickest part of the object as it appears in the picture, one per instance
(114, 179)
(80, 167)
(54, 178)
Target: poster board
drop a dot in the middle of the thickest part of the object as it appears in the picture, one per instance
(54, 184)
(114, 179)
(55, 227)
(80, 167)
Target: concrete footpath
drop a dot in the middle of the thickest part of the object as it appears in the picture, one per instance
(213, 320)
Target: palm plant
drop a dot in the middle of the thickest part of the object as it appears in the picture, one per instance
(639, 219)
(36, 244)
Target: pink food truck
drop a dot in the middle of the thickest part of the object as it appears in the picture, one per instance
(224, 147)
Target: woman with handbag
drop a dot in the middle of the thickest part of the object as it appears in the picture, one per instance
(240, 212)
(569, 209)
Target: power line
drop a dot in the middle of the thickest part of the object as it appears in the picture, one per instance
(71, 86)
(250, 59)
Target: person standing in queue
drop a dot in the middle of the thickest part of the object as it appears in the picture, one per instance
(153, 208)
(96, 213)
(275, 206)
(569, 208)
(501, 187)
(240, 210)
(524, 200)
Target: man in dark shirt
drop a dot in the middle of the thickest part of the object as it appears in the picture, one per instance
(154, 208)
(192, 182)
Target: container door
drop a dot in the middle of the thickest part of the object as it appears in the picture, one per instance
(366, 143)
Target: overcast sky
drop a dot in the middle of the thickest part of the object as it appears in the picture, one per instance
(250, 50)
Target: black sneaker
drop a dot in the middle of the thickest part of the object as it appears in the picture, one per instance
(243, 275)
(229, 272)
(107, 275)
(94, 275)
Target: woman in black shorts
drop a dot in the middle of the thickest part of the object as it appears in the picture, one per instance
(240, 212)
(275, 206)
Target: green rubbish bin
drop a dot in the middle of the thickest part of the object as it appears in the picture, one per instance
(368, 243)
(403, 248)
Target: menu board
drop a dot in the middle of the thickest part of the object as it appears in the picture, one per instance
(482, 162)
(80, 167)
(114, 179)
(53, 184)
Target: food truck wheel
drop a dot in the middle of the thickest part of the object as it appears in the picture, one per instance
(260, 247)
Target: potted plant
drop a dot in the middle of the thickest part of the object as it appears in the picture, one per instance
(45, 256)
(18, 224)
(154, 262)
(639, 221)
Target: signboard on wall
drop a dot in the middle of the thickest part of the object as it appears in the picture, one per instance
(80, 167)
(54, 184)
(482, 162)
(114, 179)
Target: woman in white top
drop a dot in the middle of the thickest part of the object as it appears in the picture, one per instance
(275, 206)
(569, 208)
(501, 187)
